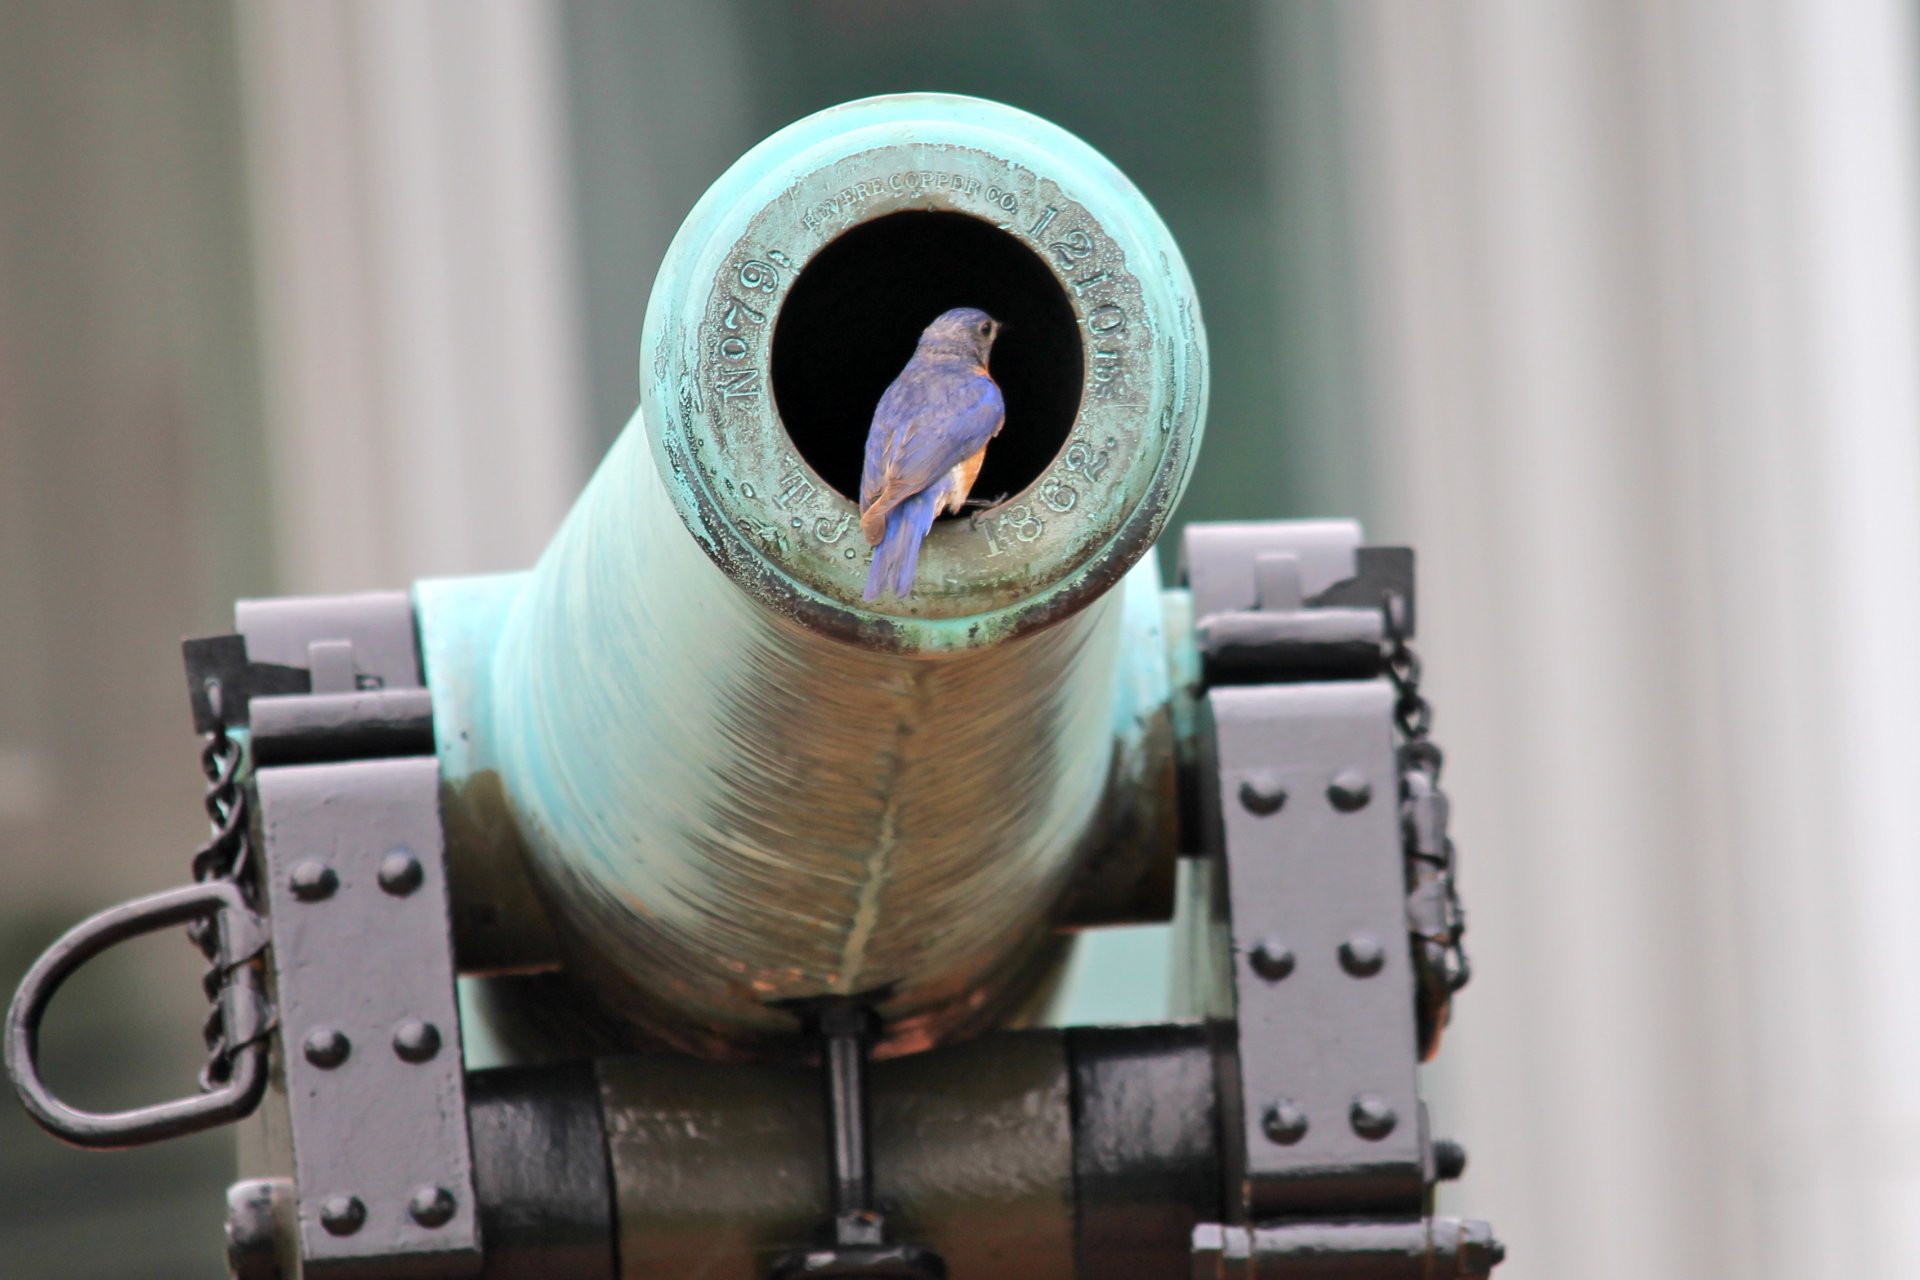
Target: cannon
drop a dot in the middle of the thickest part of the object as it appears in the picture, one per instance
(668, 909)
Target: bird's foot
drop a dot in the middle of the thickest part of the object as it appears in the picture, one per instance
(981, 504)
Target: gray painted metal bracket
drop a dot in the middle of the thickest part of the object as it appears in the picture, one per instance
(1221, 563)
(317, 677)
(1329, 1162)
(356, 889)
(347, 642)
(1303, 813)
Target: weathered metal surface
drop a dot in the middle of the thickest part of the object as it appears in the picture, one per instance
(240, 934)
(1093, 1152)
(1304, 763)
(1127, 874)
(1421, 1249)
(370, 1034)
(361, 694)
(260, 1214)
(540, 1169)
(1331, 1120)
(500, 924)
(719, 1169)
(375, 627)
(1146, 1139)
(737, 784)
(709, 403)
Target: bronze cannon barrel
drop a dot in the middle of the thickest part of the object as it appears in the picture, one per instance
(734, 782)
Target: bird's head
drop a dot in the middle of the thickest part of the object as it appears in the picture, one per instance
(963, 331)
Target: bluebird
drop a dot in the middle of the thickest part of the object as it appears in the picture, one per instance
(928, 439)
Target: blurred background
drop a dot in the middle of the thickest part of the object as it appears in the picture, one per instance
(1609, 308)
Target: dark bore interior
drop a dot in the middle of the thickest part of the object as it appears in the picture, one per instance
(850, 323)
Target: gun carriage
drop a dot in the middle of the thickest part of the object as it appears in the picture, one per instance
(666, 909)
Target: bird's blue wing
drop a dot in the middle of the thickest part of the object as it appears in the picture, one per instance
(953, 419)
(894, 413)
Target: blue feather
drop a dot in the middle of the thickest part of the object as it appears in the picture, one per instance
(898, 557)
(952, 427)
(929, 419)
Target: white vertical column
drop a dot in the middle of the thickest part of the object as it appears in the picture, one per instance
(1853, 151)
(413, 222)
(1647, 363)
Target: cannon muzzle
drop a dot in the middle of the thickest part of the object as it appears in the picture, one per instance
(734, 784)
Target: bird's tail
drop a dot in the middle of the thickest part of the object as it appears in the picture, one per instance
(898, 555)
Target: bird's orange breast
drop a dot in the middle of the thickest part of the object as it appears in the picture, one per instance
(970, 471)
(963, 474)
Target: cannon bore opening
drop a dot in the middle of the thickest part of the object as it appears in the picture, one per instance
(853, 315)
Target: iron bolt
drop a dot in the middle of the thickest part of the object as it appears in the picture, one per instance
(1284, 1122)
(1362, 955)
(1349, 790)
(416, 1041)
(251, 1234)
(431, 1206)
(1480, 1253)
(1373, 1117)
(1271, 958)
(1262, 794)
(1449, 1159)
(326, 1047)
(400, 873)
(342, 1215)
(313, 880)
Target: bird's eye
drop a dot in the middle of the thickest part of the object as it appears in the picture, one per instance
(986, 328)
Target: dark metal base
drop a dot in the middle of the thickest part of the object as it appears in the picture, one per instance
(864, 1262)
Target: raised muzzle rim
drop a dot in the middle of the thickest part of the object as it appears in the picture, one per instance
(795, 292)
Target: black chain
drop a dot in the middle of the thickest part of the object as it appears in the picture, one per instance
(227, 855)
(1435, 918)
(1412, 713)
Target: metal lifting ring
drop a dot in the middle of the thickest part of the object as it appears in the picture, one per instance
(239, 931)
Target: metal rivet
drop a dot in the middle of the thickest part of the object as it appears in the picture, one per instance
(431, 1206)
(416, 1041)
(326, 1047)
(1271, 959)
(1372, 1116)
(1262, 794)
(343, 1215)
(1284, 1122)
(1449, 1159)
(400, 873)
(313, 880)
(1349, 790)
(1362, 955)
